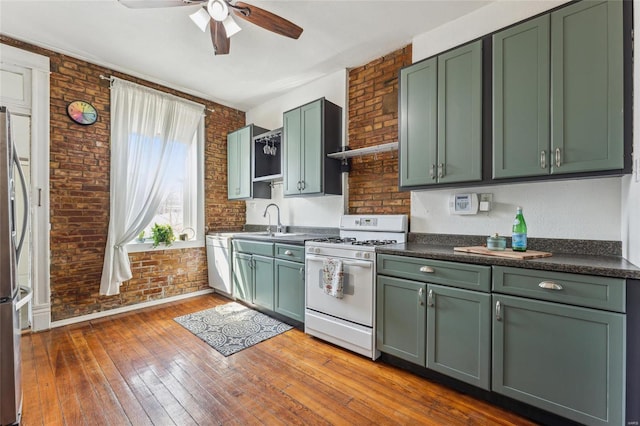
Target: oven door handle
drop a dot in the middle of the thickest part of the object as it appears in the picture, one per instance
(344, 262)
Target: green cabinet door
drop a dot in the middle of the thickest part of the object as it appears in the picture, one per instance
(312, 131)
(242, 277)
(240, 185)
(521, 100)
(292, 145)
(459, 334)
(401, 318)
(289, 289)
(587, 87)
(263, 281)
(311, 160)
(239, 164)
(564, 359)
(460, 114)
(418, 123)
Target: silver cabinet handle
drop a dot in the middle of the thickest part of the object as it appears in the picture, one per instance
(432, 171)
(303, 185)
(302, 273)
(543, 159)
(430, 299)
(550, 285)
(498, 311)
(420, 293)
(288, 253)
(441, 170)
(558, 157)
(427, 269)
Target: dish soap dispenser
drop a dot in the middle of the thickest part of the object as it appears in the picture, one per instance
(519, 232)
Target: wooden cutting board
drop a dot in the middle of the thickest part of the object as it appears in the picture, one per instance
(507, 253)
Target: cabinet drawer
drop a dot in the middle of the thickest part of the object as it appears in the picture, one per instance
(253, 247)
(462, 275)
(290, 252)
(574, 289)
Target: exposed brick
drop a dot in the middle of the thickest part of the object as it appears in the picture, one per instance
(373, 119)
(79, 197)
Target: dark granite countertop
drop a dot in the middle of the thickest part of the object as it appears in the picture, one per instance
(602, 265)
(294, 238)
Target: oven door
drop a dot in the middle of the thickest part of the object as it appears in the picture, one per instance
(356, 305)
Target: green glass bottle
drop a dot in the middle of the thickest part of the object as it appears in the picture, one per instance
(519, 232)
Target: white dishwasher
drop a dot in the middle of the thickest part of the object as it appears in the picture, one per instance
(219, 264)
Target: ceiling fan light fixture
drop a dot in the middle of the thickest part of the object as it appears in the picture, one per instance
(230, 26)
(201, 18)
(218, 9)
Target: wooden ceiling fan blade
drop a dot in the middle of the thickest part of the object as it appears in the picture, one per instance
(149, 4)
(221, 43)
(265, 19)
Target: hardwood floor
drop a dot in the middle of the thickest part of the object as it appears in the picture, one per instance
(143, 368)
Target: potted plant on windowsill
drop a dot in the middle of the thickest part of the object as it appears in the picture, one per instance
(162, 234)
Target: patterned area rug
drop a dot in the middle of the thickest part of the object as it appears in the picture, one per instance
(232, 327)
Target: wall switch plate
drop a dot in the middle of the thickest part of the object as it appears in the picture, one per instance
(485, 202)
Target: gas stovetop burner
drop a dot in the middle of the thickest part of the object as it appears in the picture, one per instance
(334, 240)
(373, 242)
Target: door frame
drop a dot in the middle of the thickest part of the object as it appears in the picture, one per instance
(39, 191)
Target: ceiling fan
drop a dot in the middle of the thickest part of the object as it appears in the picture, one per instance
(218, 16)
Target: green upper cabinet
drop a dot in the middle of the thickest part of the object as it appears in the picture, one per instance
(418, 123)
(460, 114)
(239, 181)
(586, 87)
(558, 93)
(441, 118)
(310, 133)
(521, 100)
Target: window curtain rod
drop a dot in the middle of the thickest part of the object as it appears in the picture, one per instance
(112, 78)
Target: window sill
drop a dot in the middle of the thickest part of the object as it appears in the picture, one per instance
(136, 247)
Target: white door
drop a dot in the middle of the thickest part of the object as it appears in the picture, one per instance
(24, 90)
(356, 305)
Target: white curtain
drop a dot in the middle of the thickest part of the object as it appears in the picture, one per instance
(149, 131)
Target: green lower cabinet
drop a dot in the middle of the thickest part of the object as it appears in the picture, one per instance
(289, 289)
(242, 277)
(401, 318)
(263, 281)
(564, 359)
(459, 334)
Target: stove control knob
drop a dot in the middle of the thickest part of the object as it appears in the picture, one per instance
(358, 254)
(367, 255)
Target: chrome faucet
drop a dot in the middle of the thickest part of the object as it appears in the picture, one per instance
(279, 227)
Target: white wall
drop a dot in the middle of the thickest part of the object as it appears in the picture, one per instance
(323, 211)
(601, 209)
(582, 209)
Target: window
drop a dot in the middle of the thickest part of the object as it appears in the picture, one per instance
(156, 173)
(183, 206)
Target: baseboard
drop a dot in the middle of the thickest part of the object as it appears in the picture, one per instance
(102, 314)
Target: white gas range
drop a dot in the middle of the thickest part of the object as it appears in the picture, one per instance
(349, 321)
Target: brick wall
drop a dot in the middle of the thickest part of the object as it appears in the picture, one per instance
(373, 120)
(79, 196)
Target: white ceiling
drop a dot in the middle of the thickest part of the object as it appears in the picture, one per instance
(164, 46)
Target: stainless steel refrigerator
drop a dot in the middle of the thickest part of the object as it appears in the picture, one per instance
(11, 240)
